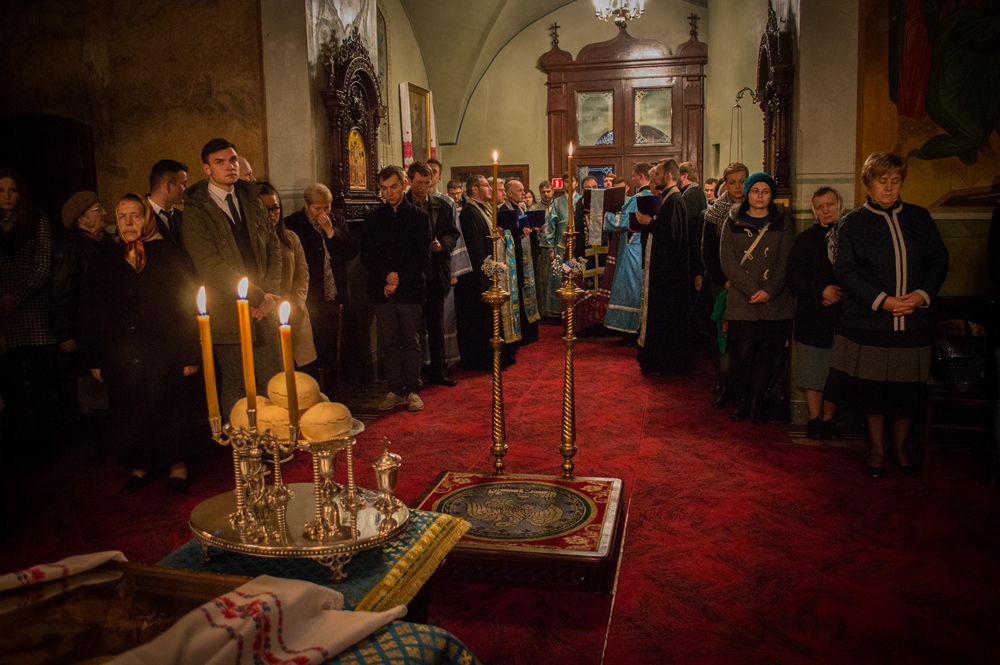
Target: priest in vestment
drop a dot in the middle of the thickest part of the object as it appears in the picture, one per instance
(553, 237)
(523, 246)
(665, 337)
(473, 316)
(625, 301)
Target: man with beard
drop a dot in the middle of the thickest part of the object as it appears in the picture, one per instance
(523, 245)
(475, 318)
(665, 324)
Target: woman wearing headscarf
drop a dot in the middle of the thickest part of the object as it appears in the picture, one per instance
(890, 263)
(140, 337)
(754, 247)
(25, 261)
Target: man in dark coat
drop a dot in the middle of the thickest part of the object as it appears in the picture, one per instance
(167, 184)
(329, 246)
(228, 236)
(396, 250)
(438, 275)
(665, 328)
(474, 317)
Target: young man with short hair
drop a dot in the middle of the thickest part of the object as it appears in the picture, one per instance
(228, 236)
(167, 184)
(396, 250)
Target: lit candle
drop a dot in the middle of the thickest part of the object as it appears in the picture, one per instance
(285, 332)
(496, 167)
(569, 188)
(246, 344)
(207, 356)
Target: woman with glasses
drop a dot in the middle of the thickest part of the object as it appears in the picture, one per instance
(294, 277)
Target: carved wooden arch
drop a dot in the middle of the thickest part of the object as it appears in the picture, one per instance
(352, 102)
(775, 82)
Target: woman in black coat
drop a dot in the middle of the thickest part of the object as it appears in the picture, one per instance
(817, 309)
(140, 337)
(890, 262)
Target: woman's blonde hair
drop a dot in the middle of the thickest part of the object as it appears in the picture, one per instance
(879, 163)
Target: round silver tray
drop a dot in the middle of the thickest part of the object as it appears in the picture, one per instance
(211, 526)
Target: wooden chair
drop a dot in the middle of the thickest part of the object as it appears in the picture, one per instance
(963, 412)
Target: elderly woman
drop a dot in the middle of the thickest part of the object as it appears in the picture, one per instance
(25, 261)
(294, 277)
(890, 263)
(140, 337)
(754, 246)
(817, 309)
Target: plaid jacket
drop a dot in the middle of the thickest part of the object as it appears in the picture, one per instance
(25, 274)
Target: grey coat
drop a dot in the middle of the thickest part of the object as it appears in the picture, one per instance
(766, 268)
(209, 240)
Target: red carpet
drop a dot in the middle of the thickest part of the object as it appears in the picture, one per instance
(740, 546)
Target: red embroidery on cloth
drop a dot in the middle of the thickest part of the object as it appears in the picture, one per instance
(259, 609)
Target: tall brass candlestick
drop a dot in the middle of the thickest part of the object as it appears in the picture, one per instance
(495, 297)
(569, 293)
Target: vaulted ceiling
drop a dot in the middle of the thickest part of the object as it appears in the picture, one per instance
(459, 39)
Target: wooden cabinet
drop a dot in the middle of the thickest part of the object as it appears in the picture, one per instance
(625, 101)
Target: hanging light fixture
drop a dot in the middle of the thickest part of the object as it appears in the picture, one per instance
(621, 11)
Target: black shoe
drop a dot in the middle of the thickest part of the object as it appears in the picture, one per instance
(874, 471)
(740, 411)
(909, 470)
(829, 430)
(814, 428)
(758, 412)
(136, 483)
(176, 485)
(443, 380)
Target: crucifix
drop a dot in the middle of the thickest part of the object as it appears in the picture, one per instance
(693, 20)
(554, 29)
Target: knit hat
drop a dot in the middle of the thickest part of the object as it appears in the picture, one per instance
(760, 176)
(78, 204)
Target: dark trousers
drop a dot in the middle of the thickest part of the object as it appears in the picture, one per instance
(433, 317)
(399, 338)
(26, 388)
(755, 348)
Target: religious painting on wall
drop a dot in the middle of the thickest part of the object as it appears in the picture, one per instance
(930, 74)
(653, 112)
(415, 112)
(595, 118)
(357, 159)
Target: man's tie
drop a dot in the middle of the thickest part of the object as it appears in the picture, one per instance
(233, 212)
(168, 218)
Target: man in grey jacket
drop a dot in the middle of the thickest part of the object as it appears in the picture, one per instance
(228, 236)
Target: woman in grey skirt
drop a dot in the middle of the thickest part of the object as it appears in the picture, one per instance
(890, 262)
(817, 309)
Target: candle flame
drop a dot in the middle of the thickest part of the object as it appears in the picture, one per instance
(494, 155)
(571, 149)
(243, 288)
(201, 301)
(284, 310)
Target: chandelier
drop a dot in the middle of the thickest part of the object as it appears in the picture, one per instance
(621, 11)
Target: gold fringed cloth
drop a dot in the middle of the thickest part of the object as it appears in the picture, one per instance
(377, 579)
(414, 560)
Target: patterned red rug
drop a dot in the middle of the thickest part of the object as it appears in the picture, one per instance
(739, 545)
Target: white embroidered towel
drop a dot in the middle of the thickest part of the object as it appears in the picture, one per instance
(52, 571)
(267, 620)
